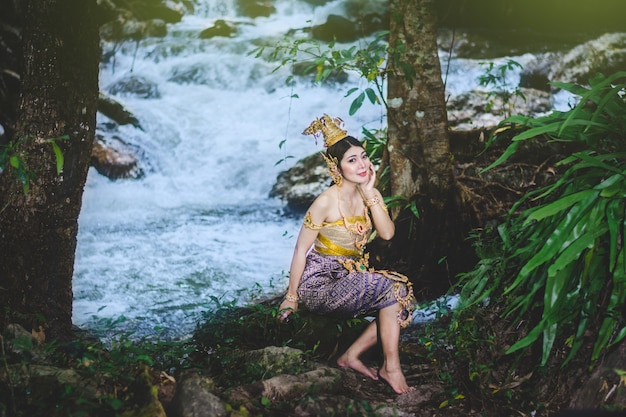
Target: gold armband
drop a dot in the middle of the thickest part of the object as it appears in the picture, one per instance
(309, 223)
(291, 297)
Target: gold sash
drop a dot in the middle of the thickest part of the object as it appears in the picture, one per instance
(334, 249)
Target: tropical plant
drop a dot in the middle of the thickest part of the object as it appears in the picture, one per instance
(370, 63)
(566, 253)
(496, 78)
(325, 60)
(12, 156)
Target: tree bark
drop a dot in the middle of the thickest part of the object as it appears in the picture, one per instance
(38, 228)
(419, 154)
(418, 124)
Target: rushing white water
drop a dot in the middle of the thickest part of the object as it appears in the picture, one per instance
(200, 227)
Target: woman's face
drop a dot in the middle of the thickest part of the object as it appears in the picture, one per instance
(355, 165)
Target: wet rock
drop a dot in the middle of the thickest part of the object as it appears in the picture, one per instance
(195, 397)
(136, 86)
(114, 159)
(169, 11)
(477, 109)
(536, 73)
(219, 28)
(336, 28)
(287, 387)
(605, 387)
(276, 360)
(19, 341)
(338, 405)
(302, 183)
(116, 111)
(127, 27)
(606, 55)
(254, 8)
(317, 2)
(144, 395)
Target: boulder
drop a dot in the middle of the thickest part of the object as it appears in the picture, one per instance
(276, 360)
(606, 55)
(536, 73)
(479, 109)
(302, 183)
(195, 397)
(116, 111)
(136, 86)
(605, 387)
(219, 28)
(255, 8)
(126, 26)
(287, 387)
(336, 28)
(114, 159)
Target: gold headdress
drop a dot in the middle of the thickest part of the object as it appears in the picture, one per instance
(332, 133)
(328, 127)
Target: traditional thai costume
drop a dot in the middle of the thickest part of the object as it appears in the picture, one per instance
(337, 279)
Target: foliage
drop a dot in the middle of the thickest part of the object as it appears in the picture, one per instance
(495, 77)
(370, 64)
(225, 333)
(326, 61)
(12, 156)
(99, 379)
(566, 253)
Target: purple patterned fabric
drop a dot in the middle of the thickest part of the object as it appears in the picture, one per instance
(327, 287)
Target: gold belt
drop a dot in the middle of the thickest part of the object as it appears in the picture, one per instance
(333, 249)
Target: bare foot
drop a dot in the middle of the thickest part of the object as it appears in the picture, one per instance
(395, 379)
(346, 362)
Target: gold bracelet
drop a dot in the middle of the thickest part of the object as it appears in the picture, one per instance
(372, 201)
(291, 297)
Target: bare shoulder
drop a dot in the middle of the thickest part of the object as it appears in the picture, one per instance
(322, 207)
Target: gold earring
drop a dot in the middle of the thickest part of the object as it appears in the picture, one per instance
(333, 169)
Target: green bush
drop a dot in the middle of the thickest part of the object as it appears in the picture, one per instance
(563, 259)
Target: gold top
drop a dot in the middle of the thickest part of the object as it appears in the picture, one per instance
(328, 127)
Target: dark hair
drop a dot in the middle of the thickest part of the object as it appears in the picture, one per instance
(338, 149)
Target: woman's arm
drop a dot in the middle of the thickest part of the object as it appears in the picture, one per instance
(306, 238)
(374, 201)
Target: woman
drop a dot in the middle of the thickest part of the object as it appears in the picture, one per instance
(329, 271)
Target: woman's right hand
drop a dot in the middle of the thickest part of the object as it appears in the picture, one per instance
(286, 308)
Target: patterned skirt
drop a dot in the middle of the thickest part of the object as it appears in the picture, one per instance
(346, 287)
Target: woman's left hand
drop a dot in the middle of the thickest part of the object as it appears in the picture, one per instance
(368, 186)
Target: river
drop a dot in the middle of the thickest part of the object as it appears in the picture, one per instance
(199, 230)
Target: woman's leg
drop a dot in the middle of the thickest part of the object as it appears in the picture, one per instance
(351, 357)
(389, 333)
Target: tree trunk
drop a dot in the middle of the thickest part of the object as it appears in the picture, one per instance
(419, 150)
(38, 228)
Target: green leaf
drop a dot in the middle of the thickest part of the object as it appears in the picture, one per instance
(559, 205)
(351, 91)
(356, 104)
(371, 94)
(59, 156)
(575, 250)
(537, 131)
(510, 150)
(616, 221)
(529, 339)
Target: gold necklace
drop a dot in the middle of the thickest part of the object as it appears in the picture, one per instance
(359, 230)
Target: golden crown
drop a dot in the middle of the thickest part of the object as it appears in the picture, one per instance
(328, 127)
